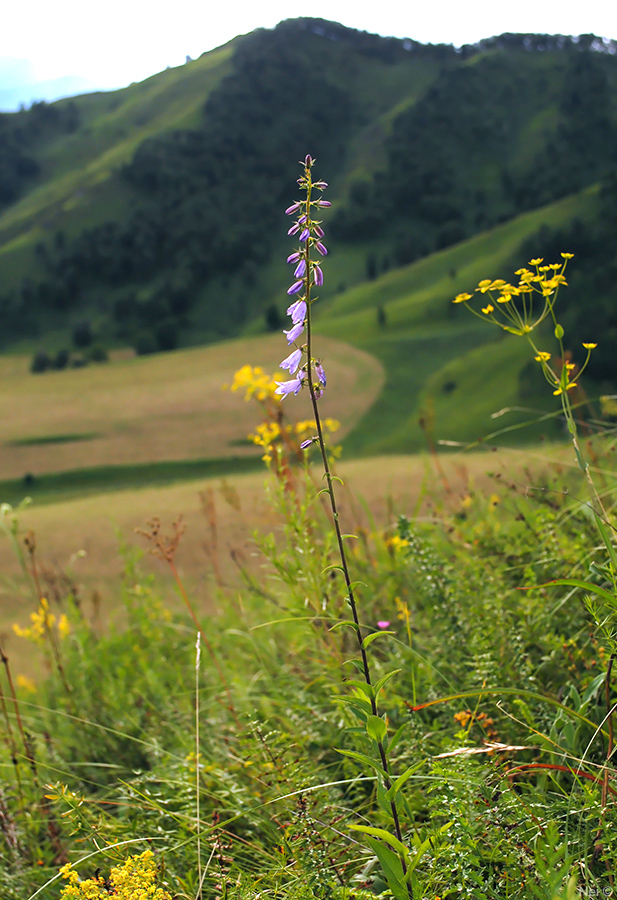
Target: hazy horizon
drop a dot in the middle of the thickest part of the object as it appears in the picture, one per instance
(73, 49)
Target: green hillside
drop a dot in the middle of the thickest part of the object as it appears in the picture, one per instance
(138, 210)
(152, 217)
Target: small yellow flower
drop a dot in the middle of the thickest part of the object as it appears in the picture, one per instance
(505, 298)
(536, 262)
(567, 255)
(590, 346)
(27, 684)
(462, 298)
(488, 309)
(64, 626)
(572, 384)
(484, 286)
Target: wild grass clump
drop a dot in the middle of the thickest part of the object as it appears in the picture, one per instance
(421, 709)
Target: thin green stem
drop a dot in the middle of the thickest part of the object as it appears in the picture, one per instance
(336, 522)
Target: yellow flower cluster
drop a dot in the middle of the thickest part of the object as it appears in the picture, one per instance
(134, 879)
(268, 433)
(255, 383)
(42, 622)
(521, 318)
(565, 381)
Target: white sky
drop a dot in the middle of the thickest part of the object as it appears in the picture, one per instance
(119, 41)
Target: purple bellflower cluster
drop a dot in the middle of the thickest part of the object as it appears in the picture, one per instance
(307, 274)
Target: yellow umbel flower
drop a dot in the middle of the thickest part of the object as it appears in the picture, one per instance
(255, 383)
(134, 879)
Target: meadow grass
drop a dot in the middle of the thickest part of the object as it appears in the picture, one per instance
(96, 524)
(169, 409)
(425, 335)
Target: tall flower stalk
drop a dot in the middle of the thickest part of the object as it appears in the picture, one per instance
(308, 372)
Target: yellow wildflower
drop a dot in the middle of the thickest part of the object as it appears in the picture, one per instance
(590, 346)
(27, 684)
(135, 879)
(567, 255)
(395, 543)
(536, 262)
(462, 298)
(484, 286)
(542, 356)
(488, 309)
(255, 383)
(569, 386)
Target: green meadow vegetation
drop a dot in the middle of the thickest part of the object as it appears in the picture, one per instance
(352, 643)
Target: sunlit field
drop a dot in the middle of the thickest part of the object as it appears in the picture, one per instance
(156, 408)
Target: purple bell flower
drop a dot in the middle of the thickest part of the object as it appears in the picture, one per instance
(305, 234)
(321, 248)
(293, 208)
(297, 311)
(293, 257)
(321, 375)
(300, 269)
(318, 231)
(294, 332)
(289, 387)
(292, 361)
(296, 286)
(308, 443)
(295, 228)
(318, 276)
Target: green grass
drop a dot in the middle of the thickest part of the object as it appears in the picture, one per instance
(424, 333)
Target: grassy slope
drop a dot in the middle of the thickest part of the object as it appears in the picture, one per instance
(375, 490)
(78, 185)
(425, 333)
(150, 419)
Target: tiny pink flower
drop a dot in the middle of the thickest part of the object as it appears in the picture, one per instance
(383, 624)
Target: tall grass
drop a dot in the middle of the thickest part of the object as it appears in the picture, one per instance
(421, 710)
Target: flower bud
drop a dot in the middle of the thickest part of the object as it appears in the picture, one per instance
(317, 276)
(293, 208)
(305, 235)
(321, 248)
(296, 287)
(300, 269)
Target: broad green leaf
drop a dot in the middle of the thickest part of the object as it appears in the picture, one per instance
(376, 728)
(391, 866)
(384, 835)
(363, 758)
(373, 637)
(384, 680)
(400, 781)
(367, 689)
(345, 622)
